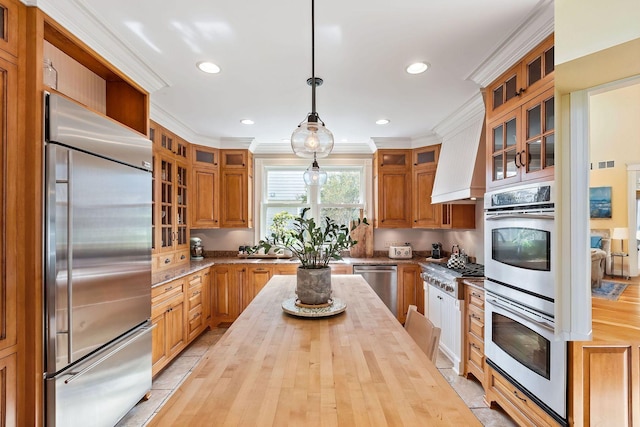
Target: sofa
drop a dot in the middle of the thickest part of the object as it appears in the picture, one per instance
(600, 255)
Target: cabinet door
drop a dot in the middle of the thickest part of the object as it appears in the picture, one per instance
(458, 216)
(256, 279)
(288, 269)
(503, 149)
(426, 158)
(165, 176)
(234, 204)
(8, 390)
(425, 214)
(204, 157)
(409, 290)
(538, 66)
(226, 295)
(394, 199)
(538, 153)
(205, 196)
(435, 307)
(176, 331)
(8, 211)
(159, 348)
(181, 240)
(207, 296)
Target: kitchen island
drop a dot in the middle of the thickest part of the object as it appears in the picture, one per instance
(359, 367)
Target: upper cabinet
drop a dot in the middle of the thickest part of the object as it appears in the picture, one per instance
(236, 189)
(204, 203)
(170, 198)
(86, 77)
(403, 183)
(520, 122)
(526, 77)
(392, 188)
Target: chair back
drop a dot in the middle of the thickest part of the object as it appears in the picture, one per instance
(423, 332)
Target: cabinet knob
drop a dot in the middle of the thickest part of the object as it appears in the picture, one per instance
(167, 260)
(520, 92)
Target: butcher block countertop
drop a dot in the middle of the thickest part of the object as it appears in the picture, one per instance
(358, 367)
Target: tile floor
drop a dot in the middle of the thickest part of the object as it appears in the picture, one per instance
(163, 385)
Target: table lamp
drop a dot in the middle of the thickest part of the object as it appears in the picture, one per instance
(622, 234)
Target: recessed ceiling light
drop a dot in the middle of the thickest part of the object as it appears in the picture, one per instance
(382, 121)
(208, 67)
(417, 68)
(246, 121)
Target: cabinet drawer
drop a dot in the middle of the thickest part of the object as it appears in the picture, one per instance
(165, 304)
(476, 321)
(162, 292)
(195, 279)
(164, 261)
(476, 351)
(195, 321)
(517, 404)
(195, 296)
(475, 296)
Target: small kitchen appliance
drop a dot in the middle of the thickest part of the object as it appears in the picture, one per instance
(196, 249)
(436, 251)
(400, 252)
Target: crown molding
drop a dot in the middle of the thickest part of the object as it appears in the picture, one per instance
(81, 21)
(425, 140)
(470, 112)
(165, 119)
(537, 26)
(391, 142)
(236, 143)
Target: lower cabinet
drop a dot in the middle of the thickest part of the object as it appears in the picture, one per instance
(169, 335)
(257, 277)
(519, 407)
(474, 360)
(8, 390)
(410, 290)
(227, 281)
(195, 305)
(445, 313)
(604, 384)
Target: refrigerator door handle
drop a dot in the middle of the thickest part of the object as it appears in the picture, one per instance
(131, 339)
(69, 257)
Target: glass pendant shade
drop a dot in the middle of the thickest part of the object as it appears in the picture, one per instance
(314, 175)
(311, 138)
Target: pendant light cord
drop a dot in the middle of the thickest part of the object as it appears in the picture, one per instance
(313, 59)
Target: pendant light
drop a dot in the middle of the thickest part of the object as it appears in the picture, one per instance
(314, 175)
(311, 138)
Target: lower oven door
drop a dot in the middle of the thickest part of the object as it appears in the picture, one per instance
(520, 342)
(519, 249)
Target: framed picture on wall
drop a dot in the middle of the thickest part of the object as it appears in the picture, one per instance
(600, 202)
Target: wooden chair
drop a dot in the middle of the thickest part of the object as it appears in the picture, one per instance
(423, 332)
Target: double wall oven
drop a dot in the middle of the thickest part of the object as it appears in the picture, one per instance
(520, 341)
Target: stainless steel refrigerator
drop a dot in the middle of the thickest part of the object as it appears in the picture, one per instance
(97, 266)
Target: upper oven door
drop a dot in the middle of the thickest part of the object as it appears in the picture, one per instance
(518, 250)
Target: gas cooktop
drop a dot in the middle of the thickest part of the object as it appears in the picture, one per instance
(469, 270)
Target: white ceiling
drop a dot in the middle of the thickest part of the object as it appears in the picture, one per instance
(264, 51)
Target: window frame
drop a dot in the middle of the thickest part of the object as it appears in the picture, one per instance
(263, 165)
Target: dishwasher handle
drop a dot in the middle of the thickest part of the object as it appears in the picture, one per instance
(374, 268)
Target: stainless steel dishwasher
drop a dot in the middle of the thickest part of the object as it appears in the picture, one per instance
(383, 278)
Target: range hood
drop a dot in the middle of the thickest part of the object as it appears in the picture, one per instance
(461, 171)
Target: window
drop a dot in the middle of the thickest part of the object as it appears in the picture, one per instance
(283, 189)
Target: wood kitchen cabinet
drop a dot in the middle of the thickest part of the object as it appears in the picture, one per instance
(236, 189)
(527, 76)
(392, 188)
(169, 335)
(285, 269)
(257, 277)
(474, 360)
(521, 128)
(458, 215)
(204, 203)
(410, 290)
(604, 383)
(170, 199)
(196, 301)
(227, 281)
(515, 403)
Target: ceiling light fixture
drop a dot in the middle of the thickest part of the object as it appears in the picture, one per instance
(208, 67)
(314, 175)
(417, 67)
(382, 121)
(311, 138)
(246, 121)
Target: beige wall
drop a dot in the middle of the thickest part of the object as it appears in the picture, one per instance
(614, 135)
(588, 26)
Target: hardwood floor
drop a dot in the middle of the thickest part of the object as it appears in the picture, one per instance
(618, 320)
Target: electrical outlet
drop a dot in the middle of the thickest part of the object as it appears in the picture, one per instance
(387, 244)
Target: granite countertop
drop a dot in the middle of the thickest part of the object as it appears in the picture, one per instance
(164, 276)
